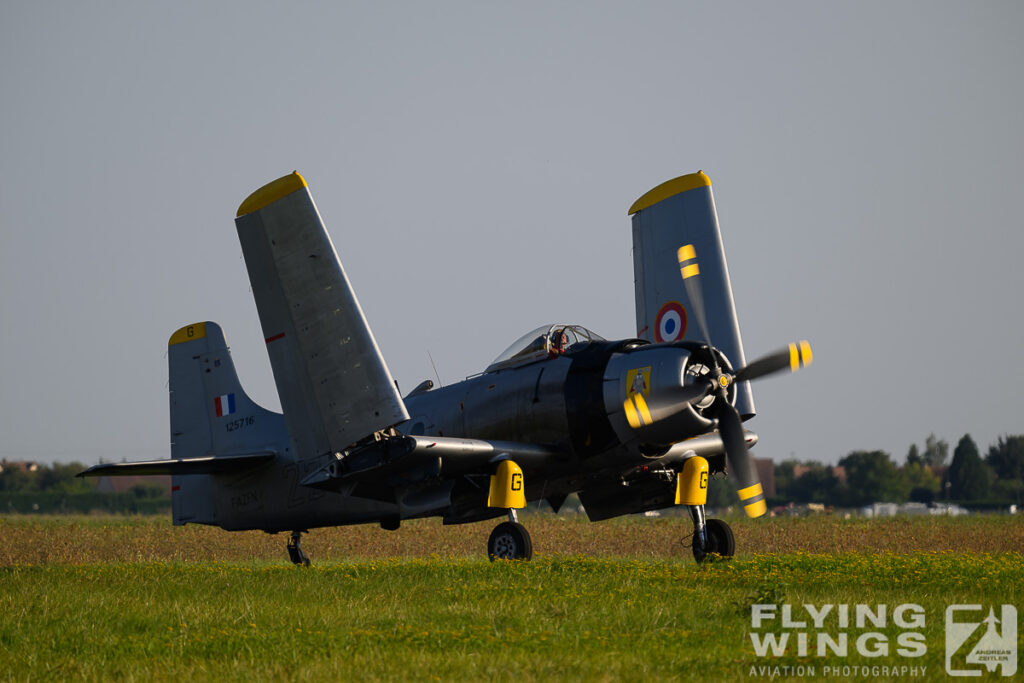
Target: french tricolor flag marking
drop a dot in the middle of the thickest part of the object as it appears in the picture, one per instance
(225, 405)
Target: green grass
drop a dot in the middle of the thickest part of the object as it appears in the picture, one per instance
(557, 618)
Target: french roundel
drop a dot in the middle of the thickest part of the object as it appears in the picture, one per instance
(670, 325)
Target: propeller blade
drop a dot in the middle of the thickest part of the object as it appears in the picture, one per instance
(689, 269)
(748, 484)
(794, 357)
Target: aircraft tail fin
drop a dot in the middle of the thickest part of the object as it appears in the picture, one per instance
(215, 427)
(674, 214)
(211, 414)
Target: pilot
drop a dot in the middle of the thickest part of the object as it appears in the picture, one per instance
(559, 340)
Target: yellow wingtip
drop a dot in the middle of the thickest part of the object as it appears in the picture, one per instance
(670, 188)
(271, 192)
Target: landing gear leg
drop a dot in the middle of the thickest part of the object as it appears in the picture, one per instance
(712, 536)
(700, 536)
(295, 553)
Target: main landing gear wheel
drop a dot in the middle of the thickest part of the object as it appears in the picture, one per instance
(295, 553)
(509, 541)
(719, 541)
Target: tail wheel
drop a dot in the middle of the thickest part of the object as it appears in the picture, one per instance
(510, 541)
(720, 541)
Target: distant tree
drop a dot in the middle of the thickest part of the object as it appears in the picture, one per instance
(722, 492)
(147, 490)
(920, 481)
(817, 485)
(1006, 457)
(969, 477)
(61, 477)
(913, 456)
(935, 451)
(14, 479)
(1005, 490)
(784, 478)
(871, 477)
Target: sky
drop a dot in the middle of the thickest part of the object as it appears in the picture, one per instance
(474, 163)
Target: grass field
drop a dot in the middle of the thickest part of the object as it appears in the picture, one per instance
(139, 599)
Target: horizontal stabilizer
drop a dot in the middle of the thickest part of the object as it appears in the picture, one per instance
(220, 464)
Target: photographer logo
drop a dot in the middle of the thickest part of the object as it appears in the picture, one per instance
(975, 642)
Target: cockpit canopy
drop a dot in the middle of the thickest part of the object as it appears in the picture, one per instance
(544, 342)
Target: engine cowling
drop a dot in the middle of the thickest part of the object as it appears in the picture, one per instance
(652, 376)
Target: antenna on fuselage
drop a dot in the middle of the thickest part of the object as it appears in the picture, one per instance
(435, 367)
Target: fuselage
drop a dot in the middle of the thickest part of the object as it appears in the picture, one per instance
(570, 403)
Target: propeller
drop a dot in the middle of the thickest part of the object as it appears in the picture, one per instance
(672, 400)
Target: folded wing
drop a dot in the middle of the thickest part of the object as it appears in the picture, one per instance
(334, 385)
(676, 213)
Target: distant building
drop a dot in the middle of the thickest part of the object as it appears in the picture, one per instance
(838, 472)
(22, 465)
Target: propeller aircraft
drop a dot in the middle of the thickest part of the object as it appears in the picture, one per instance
(629, 425)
